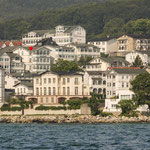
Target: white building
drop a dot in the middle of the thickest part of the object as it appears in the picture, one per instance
(24, 88)
(62, 35)
(96, 81)
(144, 55)
(2, 86)
(84, 50)
(118, 85)
(102, 63)
(31, 38)
(106, 45)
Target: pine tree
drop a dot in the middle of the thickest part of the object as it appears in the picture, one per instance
(137, 62)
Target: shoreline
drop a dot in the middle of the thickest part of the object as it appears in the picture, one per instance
(72, 119)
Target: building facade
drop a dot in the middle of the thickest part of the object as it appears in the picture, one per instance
(128, 43)
(106, 45)
(53, 88)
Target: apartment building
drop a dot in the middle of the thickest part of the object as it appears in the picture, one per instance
(106, 45)
(84, 50)
(102, 63)
(128, 43)
(118, 85)
(62, 35)
(144, 55)
(55, 87)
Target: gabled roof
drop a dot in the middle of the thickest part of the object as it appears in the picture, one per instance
(70, 28)
(127, 70)
(25, 83)
(114, 59)
(94, 72)
(13, 55)
(101, 39)
(59, 73)
(42, 32)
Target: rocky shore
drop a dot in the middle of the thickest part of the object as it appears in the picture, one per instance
(72, 119)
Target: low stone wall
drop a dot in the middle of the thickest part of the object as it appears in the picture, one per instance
(71, 119)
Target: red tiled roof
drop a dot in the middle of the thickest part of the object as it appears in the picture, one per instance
(1, 43)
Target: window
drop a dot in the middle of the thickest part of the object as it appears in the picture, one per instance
(127, 85)
(76, 90)
(37, 91)
(114, 84)
(49, 80)
(44, 90)
(122, 77)
(54, 91)
(113, 105)
(76, 81)
(68, 91)
(122, 84)
(41, 99)
(54, 80)
(52, 99)
(49, 91)
(37, 81)
(114, 77)
(125, 97)
(24, 90)
(64, 91)
(68, 80)
(64, 81)
(46, 99)
(44, 80)
(41, 91)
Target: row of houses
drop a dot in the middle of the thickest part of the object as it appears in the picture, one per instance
(111, 78)
(27, 73)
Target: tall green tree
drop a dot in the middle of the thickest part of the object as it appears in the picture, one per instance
(84, 60)
(65, 65)
(141, 88)
(137, 62)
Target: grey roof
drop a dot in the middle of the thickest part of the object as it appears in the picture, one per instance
(59, 73)
(129, 70)
(8, 49)
(42, 32)
(94, 72)
(70, 28)
(25, 83)
(26, 74)
(12, 55)
(114, 59)
(101, 39)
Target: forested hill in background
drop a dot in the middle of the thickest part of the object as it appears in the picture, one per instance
(24, 8)
(100, 20)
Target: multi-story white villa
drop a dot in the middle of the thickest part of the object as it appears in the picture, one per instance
(102, 63)
(106, 45)
(62, 35)
(31, 38)
(144, 55)
(118, 85)
(84, 50)
(55, 87)
(96, 81)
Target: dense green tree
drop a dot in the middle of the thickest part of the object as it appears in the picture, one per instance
(84, 60)
(128, 108)
(141, 88)
(137, 62)
(65, 65)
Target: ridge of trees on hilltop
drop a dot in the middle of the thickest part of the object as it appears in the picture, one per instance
(99, 19)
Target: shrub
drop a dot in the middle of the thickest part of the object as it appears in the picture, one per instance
(41, 107)
(6, 107)
(105, 114)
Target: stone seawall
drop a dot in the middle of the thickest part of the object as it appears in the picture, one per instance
(71, 119)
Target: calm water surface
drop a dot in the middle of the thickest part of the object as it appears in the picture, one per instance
(75, 136)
